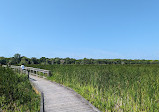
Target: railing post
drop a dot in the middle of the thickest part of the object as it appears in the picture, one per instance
(28, 73)
(49, 73)
(19, 70)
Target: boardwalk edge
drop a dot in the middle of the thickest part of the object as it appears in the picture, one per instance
(78, 95)
(41, 94)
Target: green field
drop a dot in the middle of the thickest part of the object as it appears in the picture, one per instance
(128, 88)
(16, 93)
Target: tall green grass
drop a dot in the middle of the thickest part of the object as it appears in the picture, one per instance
(127, 88)
(16, 93)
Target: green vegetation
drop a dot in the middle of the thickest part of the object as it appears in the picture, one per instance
(17, 59)
(16, 93)
(128, 88)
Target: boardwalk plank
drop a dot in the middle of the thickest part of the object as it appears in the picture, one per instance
(60, 99)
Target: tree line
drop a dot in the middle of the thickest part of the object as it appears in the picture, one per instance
(17, 59)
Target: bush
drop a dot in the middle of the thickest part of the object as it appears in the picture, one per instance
(16, 93)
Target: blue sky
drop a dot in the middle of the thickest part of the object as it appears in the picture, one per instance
(125, 29)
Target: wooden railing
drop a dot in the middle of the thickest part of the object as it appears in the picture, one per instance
(31, 71)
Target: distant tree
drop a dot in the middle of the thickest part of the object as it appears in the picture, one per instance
(91, 61)
(57, 60)
(17, 58)
(3, 61)
(96, 61)
(24, 60)
(62, 61)
(48, 61)
(86, 61)
(12, 61)
(34, 60)
(67, 60)
(52, 61)
(77, 62)
(42, 60)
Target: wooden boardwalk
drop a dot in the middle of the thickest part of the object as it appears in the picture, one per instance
(61, 99)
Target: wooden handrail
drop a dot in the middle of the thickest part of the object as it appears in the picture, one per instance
(33, 71)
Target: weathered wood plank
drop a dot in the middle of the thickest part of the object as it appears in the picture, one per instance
(58, 98)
